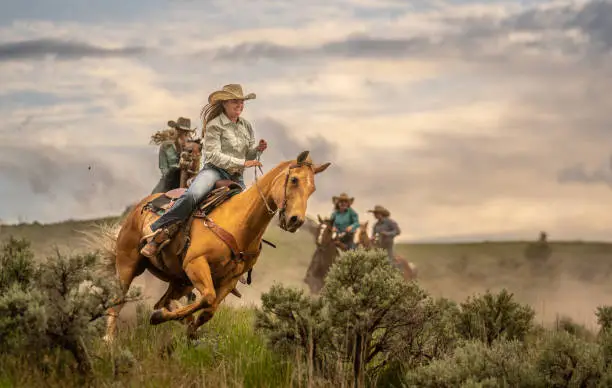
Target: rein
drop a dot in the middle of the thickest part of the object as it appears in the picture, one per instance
(230, 241)
(270, 211)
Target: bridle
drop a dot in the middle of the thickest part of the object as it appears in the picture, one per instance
(281, 211)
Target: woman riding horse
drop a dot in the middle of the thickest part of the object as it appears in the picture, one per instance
(345, 220)
(171, 143)
(229, 146)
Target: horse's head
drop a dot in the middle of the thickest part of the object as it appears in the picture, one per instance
(325, 232)
(193, 147)
(362, 235)
(292, 188)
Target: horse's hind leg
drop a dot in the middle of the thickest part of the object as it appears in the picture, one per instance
(199, 273)
(175, 291)
(128, 265)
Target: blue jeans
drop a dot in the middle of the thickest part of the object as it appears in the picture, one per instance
(203, 184)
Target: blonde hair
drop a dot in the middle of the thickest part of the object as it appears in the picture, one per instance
(163, 135)
(209, 112)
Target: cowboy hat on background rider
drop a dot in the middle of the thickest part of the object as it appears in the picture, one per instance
(384, 231)
(171, 143)
(229, 148)
(345, 219)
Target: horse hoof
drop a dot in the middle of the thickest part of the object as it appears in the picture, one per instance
(157, 317)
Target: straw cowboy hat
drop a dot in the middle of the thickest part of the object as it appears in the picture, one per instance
(380, 210)
(182, 123)
(229, 92)
(343, 197)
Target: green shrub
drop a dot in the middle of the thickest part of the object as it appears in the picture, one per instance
(293, 322)
(604, 317)
(54, 306)
(367, 315)
(569, 361)
(491, 317)
(436, 337)
(371, 309)
(504, 363)
(22, 320)
(16, 264)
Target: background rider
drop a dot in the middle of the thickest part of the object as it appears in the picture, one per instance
(384, 231)
(345, 219)
(171, 143)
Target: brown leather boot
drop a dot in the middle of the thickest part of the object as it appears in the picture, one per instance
(158, 240)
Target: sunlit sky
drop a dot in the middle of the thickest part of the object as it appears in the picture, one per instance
(466, 119)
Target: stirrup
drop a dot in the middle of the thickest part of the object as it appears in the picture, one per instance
(149, 237)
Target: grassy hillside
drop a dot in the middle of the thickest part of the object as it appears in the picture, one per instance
(231, 353)
(575, 281)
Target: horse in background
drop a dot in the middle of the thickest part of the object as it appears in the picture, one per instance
(189, 162)
(178, 177)
(324, 256)
(409, 270)
(188, 168)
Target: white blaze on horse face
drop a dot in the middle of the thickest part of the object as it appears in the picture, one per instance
(356, 236)
(322, 229)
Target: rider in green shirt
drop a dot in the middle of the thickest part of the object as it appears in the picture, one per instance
(171, 143)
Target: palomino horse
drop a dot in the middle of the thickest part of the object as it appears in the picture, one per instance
(323, 257)
(224, 245)
(409, 270)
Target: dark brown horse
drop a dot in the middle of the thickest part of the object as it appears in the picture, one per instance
(189, 162)
(323, 257)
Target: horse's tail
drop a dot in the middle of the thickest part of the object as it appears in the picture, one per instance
(102, 238)
(409, 265)
(413, 269)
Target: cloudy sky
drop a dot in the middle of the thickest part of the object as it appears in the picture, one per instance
(467, 119)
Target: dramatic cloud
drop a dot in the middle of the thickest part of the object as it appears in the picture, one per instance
(36, 49)
(585, 29)
(578, 173)
(465, 119)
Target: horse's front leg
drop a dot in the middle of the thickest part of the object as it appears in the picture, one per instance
(198, 271)
(207, 313)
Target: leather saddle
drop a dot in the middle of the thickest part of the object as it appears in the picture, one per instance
(223, 190)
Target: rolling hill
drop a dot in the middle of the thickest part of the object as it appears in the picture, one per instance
(575, 281)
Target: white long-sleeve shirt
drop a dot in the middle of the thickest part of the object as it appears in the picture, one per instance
(228, 145)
